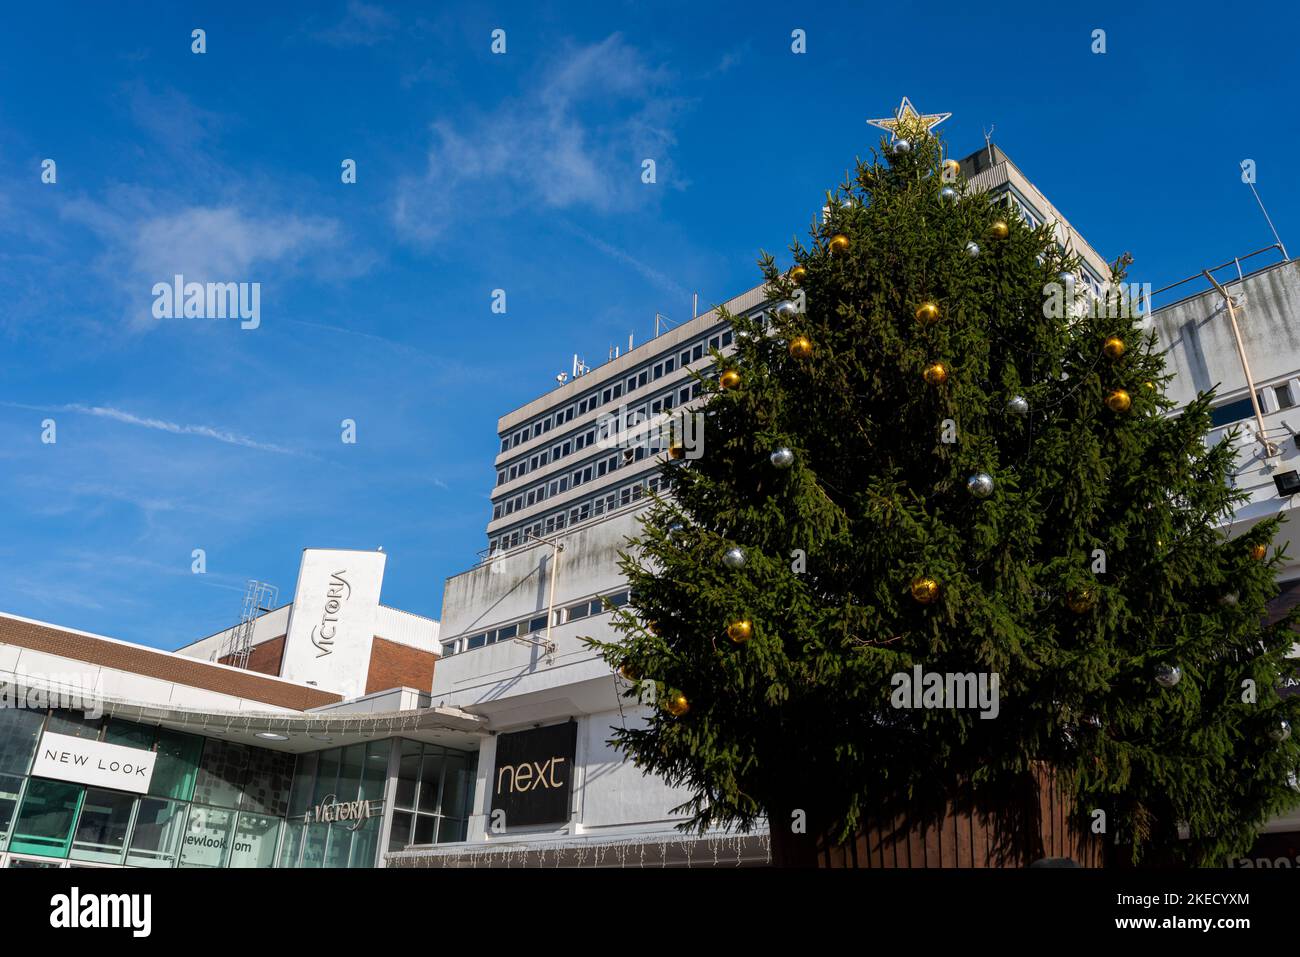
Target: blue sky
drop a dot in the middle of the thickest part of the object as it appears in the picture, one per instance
(475, 172)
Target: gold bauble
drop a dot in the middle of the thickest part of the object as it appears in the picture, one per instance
(926, 313)
(1118, 401)
(628, 672)
(839, 243)
(1150, 385)
(1080, 601)
(1113, 347)
(925, 590)
(1259, 552)
(801, 347)
(798, 274)
(936, 373)
(999, 230)
(676, 704)
(730, 379)
(740, 631)
(676, 451)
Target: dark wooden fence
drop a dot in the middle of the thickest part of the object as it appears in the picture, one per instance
(1029, 823)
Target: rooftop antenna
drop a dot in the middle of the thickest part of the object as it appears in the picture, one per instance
(661, 318)
(695, 305)
(1250, 181)
(579, 366)
(988, 141)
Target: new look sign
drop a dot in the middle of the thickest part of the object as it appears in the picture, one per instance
(65, 758)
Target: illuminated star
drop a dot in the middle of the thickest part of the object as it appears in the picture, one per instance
(906, 117)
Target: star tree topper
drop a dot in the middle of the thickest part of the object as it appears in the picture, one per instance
(906, 118)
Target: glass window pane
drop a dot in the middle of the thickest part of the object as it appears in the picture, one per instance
(457, 785)
(304, 784)
(430, 780)
(424, 828)
(256, 837)
(75, 724)
(340, 846)
(177, 765)
(313, 848)
(207, 837)
(269, 777)
(451, 829)
(407, 773)
(354, 762)
(222, 773)
(327, 775)
(11, 786)
(129, 734)
(400, 836)
(292, 844)
(46, 818)
(101, 830)
(365, 841)
(375, 775)
(156, 839)
(20, 729)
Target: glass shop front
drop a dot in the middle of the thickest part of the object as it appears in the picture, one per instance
(212, 803)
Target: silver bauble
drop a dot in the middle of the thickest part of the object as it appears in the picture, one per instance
(676, 528)
(1018, 405)
(782, 458)
(1228, 598)
(1168, 675)
(972, 249)
(1282, 731)
(733, 558)
(787, 310)
(901, 146)
(980, 485)
(948, 194)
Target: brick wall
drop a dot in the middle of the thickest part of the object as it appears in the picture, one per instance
(264, 658)
(399, 666)
(139, 660)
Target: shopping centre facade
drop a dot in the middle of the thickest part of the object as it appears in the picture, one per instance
(335, 731)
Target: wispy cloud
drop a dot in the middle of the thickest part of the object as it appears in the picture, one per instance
(144, 244)
(161, 425)
(663, 281)
(362, 24)
(576, 138)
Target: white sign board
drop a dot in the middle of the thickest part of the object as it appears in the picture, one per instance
(100, 765)
(332, 625)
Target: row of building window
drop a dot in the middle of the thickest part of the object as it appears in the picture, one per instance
(594, 435)
(602, 504)
(617, 390)
(587, 473)
(536, 624)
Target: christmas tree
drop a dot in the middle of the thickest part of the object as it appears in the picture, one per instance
(938, 454)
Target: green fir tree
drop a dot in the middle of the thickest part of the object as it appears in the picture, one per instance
(1070, 523)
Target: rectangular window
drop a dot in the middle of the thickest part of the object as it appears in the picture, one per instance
(74, 724)
(508, 632)
(478, 641)
(20, 729)
(505, 445)
(128, 734)
(1284, 397)
(697, 352)
(221, 773)
(537, 624)
(101, 830)
(642, 379)
(45, 821)
(618, 390)
(1231, 412)
(574, 612)
(207, 837)
(156, 838)
(668, 365)
(619, 599)
(726, 338)
(496, 512)
(715, 342)
(256, 837)
(176, 768)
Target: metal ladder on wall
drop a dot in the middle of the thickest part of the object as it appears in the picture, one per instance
(259, 598)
